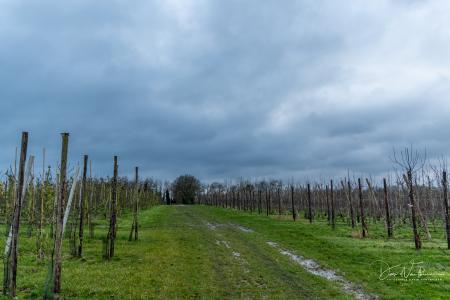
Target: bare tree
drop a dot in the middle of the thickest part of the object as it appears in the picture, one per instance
(411, 160)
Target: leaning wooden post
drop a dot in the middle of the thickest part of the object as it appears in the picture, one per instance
(82, 196)
(294, 215)
(11, 271)
(60, 217)
(386, 207)
(361, 207)
(417, 241)
(446, 216)
(333, 216)
(309, 203)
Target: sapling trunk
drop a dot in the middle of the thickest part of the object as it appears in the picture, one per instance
(70, 200)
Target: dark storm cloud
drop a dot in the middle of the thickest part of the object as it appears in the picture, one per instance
(226, 89)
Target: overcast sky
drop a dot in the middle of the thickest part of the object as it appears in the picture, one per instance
(226, 89)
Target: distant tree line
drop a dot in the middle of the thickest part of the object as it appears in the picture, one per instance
(416, 195)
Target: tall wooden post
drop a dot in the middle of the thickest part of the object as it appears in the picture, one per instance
(327, 195)
(446, 216)
(309, 203)
(333, 216)
(226, 197)
(259, 201)
(112, 220)
(135, 225)
(294, 214)
(252, 196)
(417, 241)
(352, 213)
(60, 204)
(136, 208)
(42, 214)
(386, 207)
(239, 199)
(168, 201)
(234, 198)
(279, 200)
(361, 207)
(91, 203)
(82, 197)
(11, 270)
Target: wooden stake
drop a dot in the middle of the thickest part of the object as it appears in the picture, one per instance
(42, 213)
(333, 216)
(446, 216)
(309, 203)
(417, 241)
(91, 203)
(112, 220)
(294, 215)
(135, 225)
(60, 204)
(352, 213)
(327, 195)
(386, 207)
(82, 196)
(12, 270)
(279, 200)
(259, 201)
(361, 207)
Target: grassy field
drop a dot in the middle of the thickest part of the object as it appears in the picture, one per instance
(198, 252)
